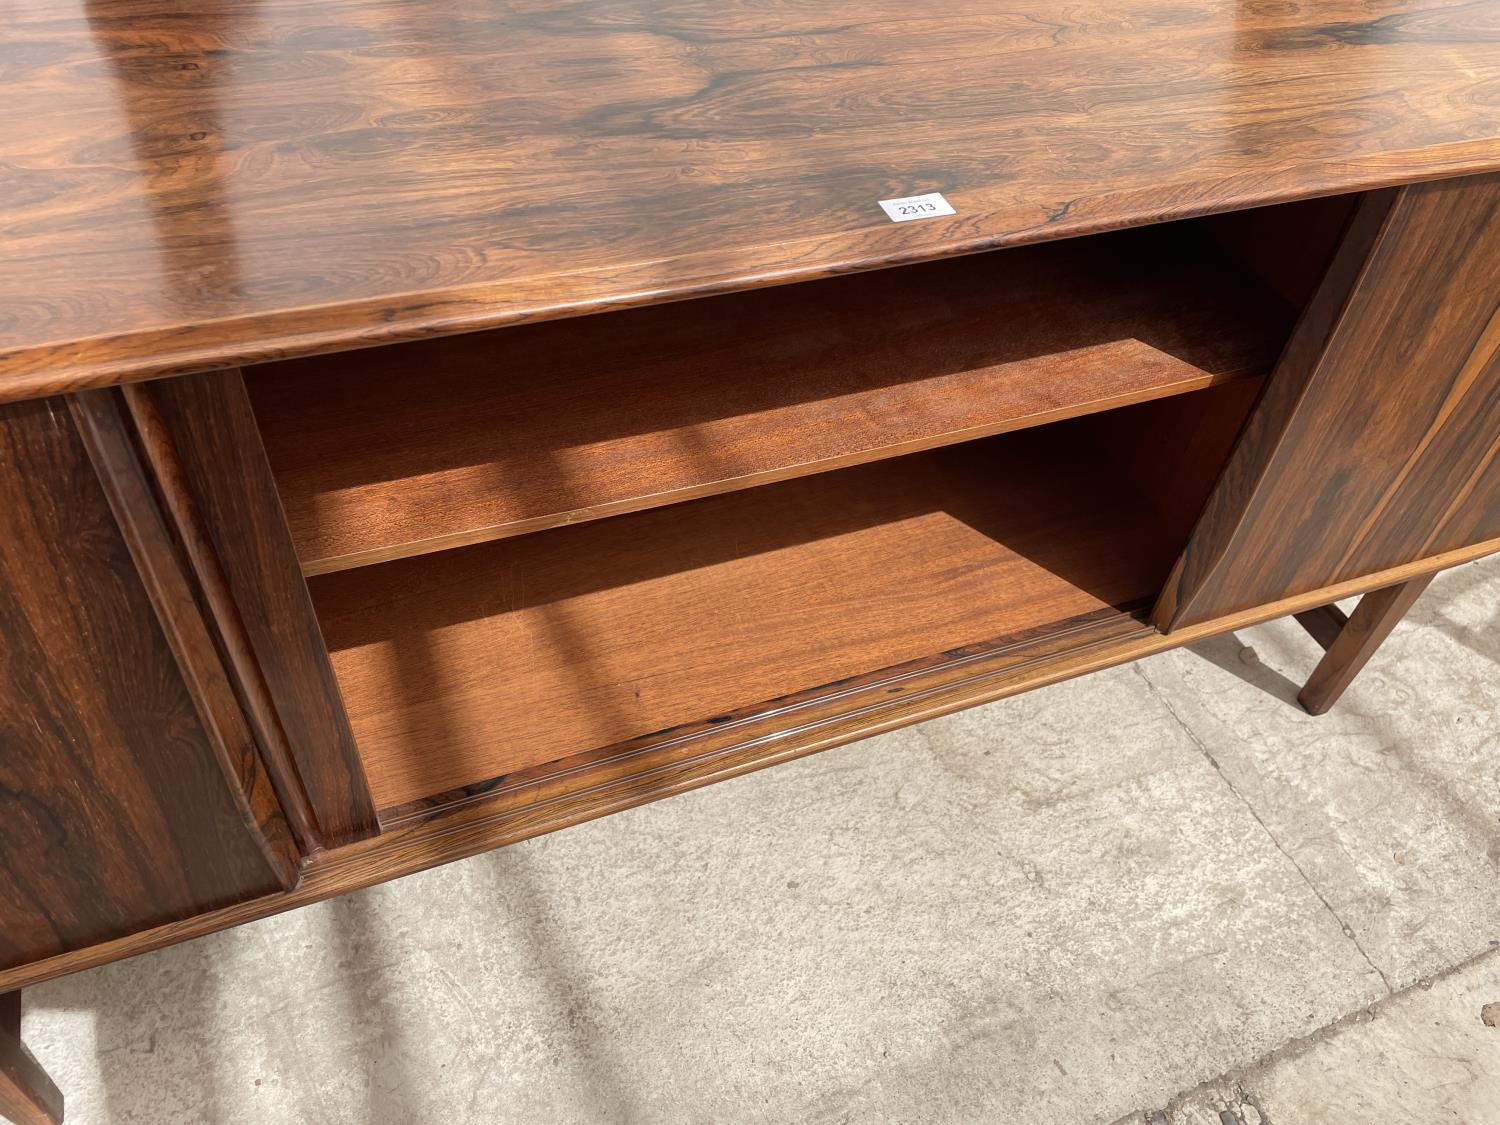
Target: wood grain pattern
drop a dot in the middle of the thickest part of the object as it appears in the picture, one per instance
(507, 816)
(27, 1095)
(116, 812)
(1378, 612)
(207, 422)
(160, 462)
(1378, 440)
(548, 424)
(470, 664)
(189, 189)
(105, 435)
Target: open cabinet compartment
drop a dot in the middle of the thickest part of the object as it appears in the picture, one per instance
(816, 495)
(481, 662)
(419, 447)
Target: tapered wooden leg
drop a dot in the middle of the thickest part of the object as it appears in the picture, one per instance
(27, 1095)
(1350, 642)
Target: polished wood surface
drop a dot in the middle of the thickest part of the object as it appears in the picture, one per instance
(1377, 614)
(206, 424)
(532, 427)
(506, 816)
(463, 666)
(117, 809)
(173, 592)
(185, 188)
(162, 464)
(265, 179)
(1378, 441)
(27, 1095)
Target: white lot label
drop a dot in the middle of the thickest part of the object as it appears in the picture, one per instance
(928, 206)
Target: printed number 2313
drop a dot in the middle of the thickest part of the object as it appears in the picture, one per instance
(911, 207)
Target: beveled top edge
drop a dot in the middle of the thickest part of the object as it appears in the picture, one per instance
(283, 334)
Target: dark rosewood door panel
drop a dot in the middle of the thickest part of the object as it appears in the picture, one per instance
(1377, 442)
(131, 792)
(199, 436)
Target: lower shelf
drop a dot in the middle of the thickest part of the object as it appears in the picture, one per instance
(484, 662)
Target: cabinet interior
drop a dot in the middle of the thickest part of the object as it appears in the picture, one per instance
(533, 547)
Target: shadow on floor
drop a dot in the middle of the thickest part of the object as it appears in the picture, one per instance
(1233, 655)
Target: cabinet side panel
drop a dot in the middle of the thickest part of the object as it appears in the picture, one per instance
(1375, 444)
(1475, 510)
(115, 815)
(209, 421)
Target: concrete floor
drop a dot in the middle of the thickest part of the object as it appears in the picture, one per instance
(1159, 894)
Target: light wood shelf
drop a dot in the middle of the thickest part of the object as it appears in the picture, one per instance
(471, 664)
(431, 445)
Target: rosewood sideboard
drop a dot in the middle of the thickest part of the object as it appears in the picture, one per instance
(428, 424)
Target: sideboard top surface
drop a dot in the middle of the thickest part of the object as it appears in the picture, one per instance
(262, 178)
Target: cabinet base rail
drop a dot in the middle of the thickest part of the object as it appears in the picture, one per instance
(457, 832)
